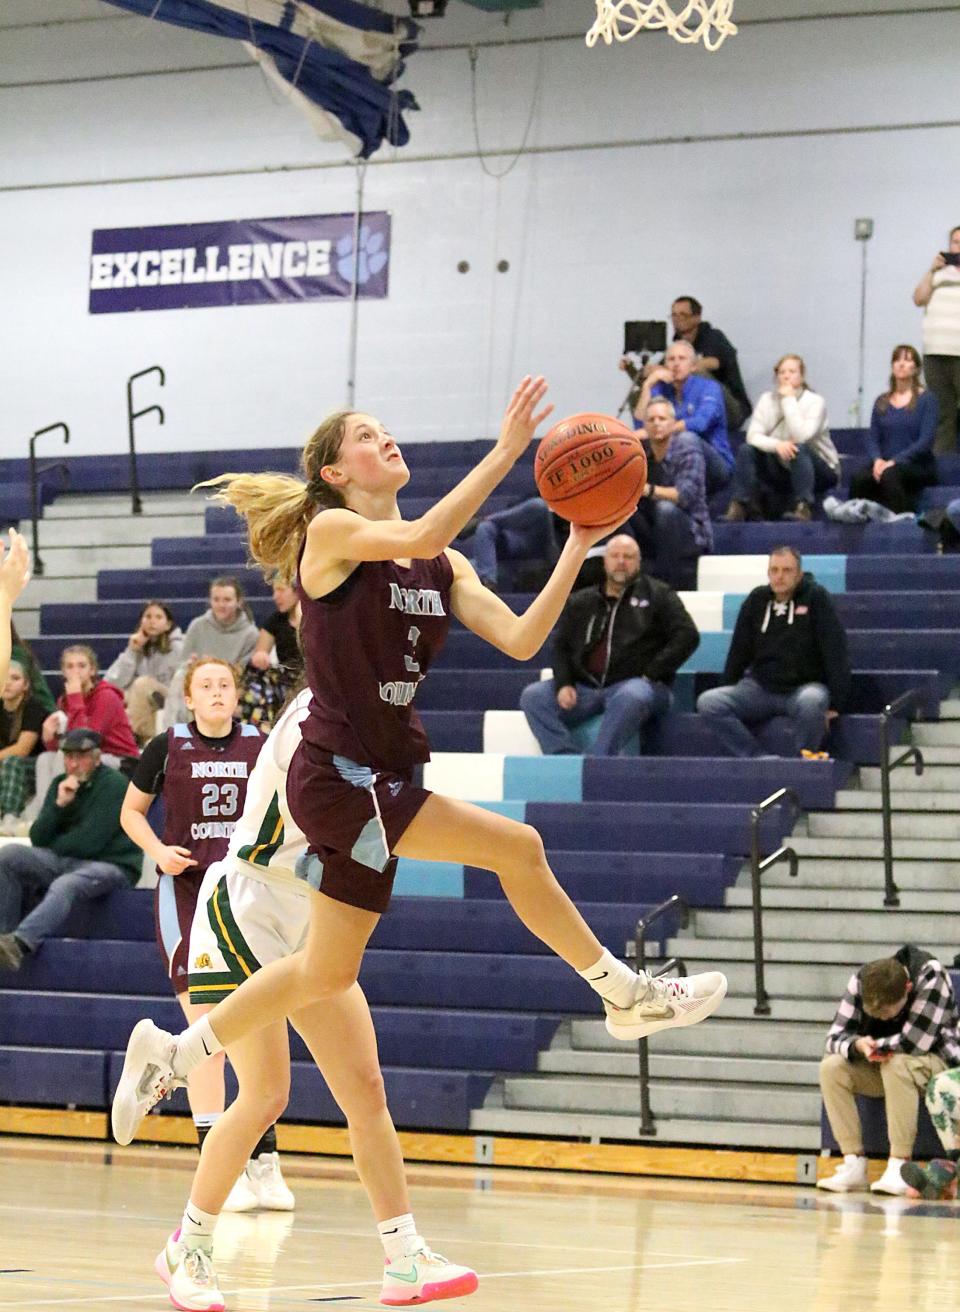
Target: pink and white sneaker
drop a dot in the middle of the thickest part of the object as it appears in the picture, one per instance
(424, 1277)
(189, 1276)
(665, 1004)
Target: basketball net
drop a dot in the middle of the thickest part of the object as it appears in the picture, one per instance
(692, 20)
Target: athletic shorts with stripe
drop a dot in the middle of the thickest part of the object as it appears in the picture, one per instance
(174, 905)
(352, 816)
(243, 921)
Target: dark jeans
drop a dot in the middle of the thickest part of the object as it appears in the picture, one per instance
(665, 534)
(899, 487)
(519, 533)
(718, 471)
(52, 885)
(732, 708)
(625, 706)
(757, 473)
(943, 378)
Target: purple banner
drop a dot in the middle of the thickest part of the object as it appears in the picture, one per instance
(239, 262)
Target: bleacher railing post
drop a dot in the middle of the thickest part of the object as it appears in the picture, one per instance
(891, 894)
(35, 509)
(647, 1123)
(758, 865)
(136, 504)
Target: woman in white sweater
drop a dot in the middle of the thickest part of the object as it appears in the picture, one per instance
(788, 453)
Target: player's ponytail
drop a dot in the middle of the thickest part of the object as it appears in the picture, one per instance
(278, 508)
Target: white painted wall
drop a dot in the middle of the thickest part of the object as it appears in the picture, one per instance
(609, 215)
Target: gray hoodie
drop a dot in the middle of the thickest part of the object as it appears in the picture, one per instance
(160, 665)
(232, 642)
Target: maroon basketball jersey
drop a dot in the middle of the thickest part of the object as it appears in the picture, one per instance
(367, 645)
(204, 789)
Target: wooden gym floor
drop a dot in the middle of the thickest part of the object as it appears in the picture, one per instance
(81, 1225)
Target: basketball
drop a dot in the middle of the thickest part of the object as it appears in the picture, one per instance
(591, 469)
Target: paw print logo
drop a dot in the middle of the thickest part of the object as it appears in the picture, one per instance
(371, 259)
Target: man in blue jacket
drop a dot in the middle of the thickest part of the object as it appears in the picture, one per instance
(788, 656)
(700, 408)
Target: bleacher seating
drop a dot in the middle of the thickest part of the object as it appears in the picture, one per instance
(460, 990)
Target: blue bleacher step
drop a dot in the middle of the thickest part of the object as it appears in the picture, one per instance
(894, 573)
(477, 1040)
(53, 1077)
(185, 586)
(823, 537)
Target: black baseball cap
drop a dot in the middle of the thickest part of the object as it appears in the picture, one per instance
(80, 740)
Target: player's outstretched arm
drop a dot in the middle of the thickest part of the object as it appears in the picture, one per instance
(339, 535)
(521, 636)
(14, 576)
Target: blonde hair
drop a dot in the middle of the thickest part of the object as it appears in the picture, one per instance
(84, 650)
(277, 507)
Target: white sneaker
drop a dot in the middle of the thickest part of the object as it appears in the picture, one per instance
(267, 1182)
(849, 1176)
(424, 1277)
(891, 1182)
(7, 825)
(666, 1004)
(147, 1077)
(242, 1197)
(189, 1276)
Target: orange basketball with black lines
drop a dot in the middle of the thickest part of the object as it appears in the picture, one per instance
(591, 469)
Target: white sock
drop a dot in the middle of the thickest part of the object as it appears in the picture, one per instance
(399, 1236)
(894, 1164)
(194, 1046)
(613, 980)
(196, 1227)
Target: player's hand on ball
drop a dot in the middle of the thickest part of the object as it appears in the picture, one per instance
(586, 536)
(522, 417)
(175, 860)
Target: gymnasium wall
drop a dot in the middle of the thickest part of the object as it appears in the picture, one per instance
(650, 170)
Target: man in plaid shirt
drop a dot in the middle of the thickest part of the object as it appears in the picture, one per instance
(895, 1029)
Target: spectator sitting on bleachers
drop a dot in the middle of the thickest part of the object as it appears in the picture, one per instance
(526, 531)
(226, 629)
(87, 702)
(900, 439)
(672, 522)
(21, 720)
(716, 355)
(700, 408)
(938, 292)
(146, 666)
(788, 656)
(617, 649)
(896, 1028)
(22, 651)
(78, 851)
(276, 663)
(788, 452)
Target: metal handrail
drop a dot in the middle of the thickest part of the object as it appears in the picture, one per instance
(647, 1125)
(891, 894)
(758, 865)
(38, 565)
(132, 417)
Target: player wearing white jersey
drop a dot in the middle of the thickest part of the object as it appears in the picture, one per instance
(252, 910)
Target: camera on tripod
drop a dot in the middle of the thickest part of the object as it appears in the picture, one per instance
(642, 339)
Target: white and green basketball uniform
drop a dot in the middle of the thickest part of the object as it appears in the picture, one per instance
(251, 908)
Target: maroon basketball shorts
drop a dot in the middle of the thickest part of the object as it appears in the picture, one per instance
(174, 902)
(352, 816)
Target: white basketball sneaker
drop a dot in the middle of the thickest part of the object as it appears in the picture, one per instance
(424, 1277)
(189, 1276)
(267, 1183)
(147, 1077)
(242, 1197)
(666, 1004)
(850, 1176)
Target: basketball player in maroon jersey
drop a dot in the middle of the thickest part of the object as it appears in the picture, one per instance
(201, 769)
(377, 593)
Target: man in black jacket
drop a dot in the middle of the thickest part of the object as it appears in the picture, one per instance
(788, 656)
(616, 651)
